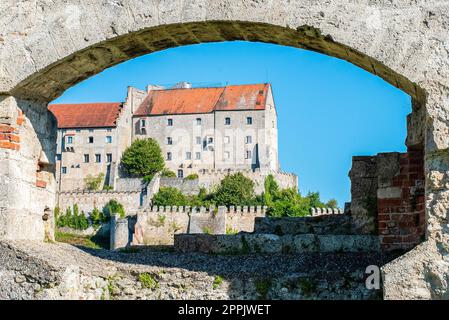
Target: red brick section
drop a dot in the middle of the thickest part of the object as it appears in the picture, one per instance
(40, 182)
(9, 137)
(401, 221)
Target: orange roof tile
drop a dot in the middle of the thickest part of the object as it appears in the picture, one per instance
(86, 115)
(204, 100)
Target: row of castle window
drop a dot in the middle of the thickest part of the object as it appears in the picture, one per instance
(227, 121)
(227, 139)
(89, 139)
(87, 160)
(227, 155)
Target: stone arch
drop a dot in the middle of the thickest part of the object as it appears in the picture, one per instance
(45, 48)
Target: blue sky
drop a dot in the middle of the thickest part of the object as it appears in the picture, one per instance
(328, 109)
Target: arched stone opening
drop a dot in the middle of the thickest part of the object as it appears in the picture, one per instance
(26, 91)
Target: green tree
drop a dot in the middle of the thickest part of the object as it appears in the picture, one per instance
(169, 196)
(234, 190)
(93, 182)
(166, 173)
(192, 176)
(315, 201)
(290, 203)
(113, 207)
(97, 217)
(271, 190)
(332, 203)
(143, 159)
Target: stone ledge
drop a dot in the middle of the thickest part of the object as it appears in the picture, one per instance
(270, 243)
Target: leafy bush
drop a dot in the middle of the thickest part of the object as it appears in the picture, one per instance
(192, 176)
(166, 173)
(97, 217)
(148, 281)
(234, 190)
(93, 182)
(107, 187)
(112, 208)
(332, 203)
(143, 159)
(75, 221)
(169, 196)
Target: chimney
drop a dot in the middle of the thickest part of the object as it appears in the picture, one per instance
(151, 87)
(183, 85)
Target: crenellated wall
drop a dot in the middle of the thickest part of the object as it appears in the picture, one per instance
(158, 225)
(87, 201)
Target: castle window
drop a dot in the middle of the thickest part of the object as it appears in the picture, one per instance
(227, 121)
(58, 157)
(180, 174)
(227, 155)
(108, 139)
(78, 130)
(169, 156)
(210, 140)
(109, 130)
(249, 120)
(248, 154)
(198, 121)
(91, 130)
(198, 155)
(188, 155)
(64, 170)
(86, 158)
(109, 157)
(227, 139)
(169, 122)
(198, 140)
(91, 139)
(169, 140)
(248, 139)
(142, 123)
(98, 158)
(69, 140)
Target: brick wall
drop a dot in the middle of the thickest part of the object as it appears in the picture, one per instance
(400, 202)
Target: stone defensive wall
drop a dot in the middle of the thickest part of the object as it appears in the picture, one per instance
(87, 200)
(208, 178)
(158, 225)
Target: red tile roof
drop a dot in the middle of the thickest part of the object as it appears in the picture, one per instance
(86, 115)
(204, 100)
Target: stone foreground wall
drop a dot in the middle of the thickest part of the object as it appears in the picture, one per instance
(387, 192)
(158, 225)
(31, 270)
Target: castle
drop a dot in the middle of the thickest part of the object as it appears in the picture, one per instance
(206, 131)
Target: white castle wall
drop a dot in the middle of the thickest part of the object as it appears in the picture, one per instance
(87, 201)
(211, 178)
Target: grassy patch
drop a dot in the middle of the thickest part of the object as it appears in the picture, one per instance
(218, 280)
(230, 231)
(77, 240)
(263, 286)
(307, 286)
(148, 281)
(207, 230)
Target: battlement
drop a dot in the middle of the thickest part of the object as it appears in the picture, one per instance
(212, 210)
(325, 211)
